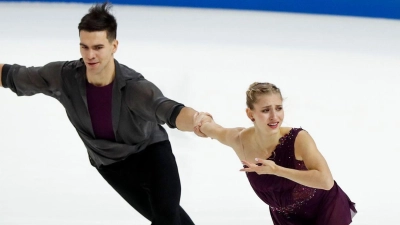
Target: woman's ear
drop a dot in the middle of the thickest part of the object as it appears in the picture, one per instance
(250, 114)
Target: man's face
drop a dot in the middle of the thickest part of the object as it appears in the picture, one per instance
(97, 51)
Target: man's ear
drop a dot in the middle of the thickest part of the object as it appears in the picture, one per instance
(115, 45)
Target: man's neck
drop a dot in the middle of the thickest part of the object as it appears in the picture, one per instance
(105, 77)
(100, 80)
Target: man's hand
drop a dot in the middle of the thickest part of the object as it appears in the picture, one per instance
(199, 119)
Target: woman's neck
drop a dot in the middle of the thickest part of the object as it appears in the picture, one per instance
(266, 142)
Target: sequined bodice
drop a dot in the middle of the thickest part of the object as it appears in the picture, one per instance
(281, 194)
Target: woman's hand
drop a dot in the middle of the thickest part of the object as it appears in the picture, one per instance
(262, 166)
(199, 119)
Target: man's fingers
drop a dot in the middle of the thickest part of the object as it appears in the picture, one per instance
(199, 133)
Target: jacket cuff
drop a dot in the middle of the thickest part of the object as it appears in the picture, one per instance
(4, 74)
(174, 115)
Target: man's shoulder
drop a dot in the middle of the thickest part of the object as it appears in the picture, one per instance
(129, 77)
(64, 67)
(128, 73)
(72, 65)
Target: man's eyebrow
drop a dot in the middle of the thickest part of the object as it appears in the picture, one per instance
(99, 45)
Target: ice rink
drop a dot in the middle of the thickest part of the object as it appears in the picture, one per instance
(339, 77)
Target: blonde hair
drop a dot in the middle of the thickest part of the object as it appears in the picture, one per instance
(256, 89)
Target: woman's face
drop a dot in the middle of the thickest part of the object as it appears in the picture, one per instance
(268, 111)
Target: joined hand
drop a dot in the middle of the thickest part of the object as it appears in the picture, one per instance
(199, 119)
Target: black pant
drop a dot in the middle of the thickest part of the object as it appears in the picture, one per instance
(149, 181)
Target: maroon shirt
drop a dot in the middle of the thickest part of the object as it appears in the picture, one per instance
(99, 101)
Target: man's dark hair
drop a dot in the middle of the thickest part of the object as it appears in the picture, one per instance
(99, 18)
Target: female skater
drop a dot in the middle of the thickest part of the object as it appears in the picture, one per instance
(283, 164)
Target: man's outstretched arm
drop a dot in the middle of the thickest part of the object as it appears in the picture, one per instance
(185, 121)
(4, 69)
(27, 81)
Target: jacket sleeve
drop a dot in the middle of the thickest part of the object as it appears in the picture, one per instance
(147, 101)
(27, 81)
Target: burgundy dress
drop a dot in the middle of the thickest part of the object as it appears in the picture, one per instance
(291, 203)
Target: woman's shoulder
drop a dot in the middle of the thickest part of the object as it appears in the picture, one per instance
(291, 130)
(286, 130)
(246, 131)
(244, 134)
(295, 134)
(300, 136)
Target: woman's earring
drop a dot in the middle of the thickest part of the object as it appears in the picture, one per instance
(252, 119)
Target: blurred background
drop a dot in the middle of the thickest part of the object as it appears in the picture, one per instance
(336, 62)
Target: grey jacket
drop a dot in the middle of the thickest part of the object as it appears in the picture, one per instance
(138, 106)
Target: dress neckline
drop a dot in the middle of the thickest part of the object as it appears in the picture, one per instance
(284, 137)
(281, 141)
